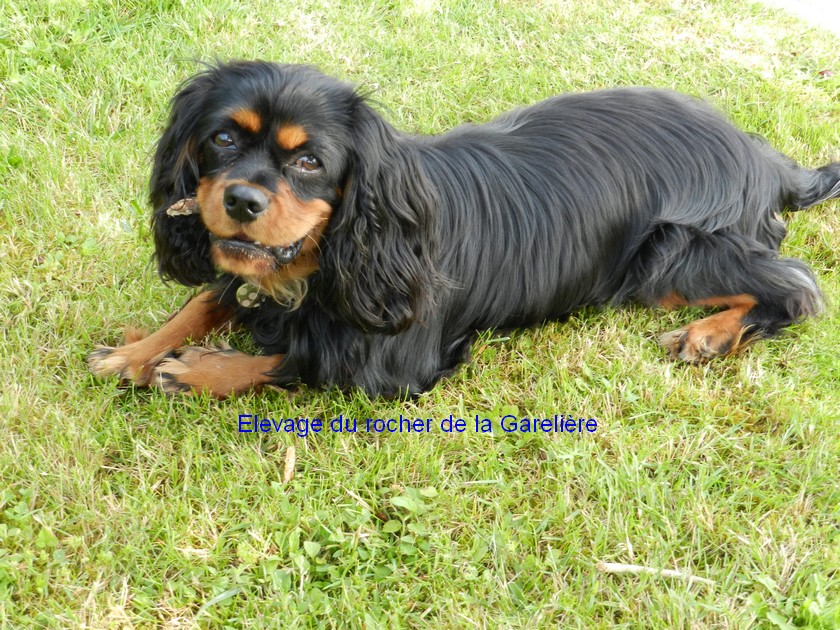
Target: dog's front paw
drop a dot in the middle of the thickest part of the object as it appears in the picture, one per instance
(221, 372)
(134, 361)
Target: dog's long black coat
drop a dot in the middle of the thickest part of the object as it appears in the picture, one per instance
(607, 197)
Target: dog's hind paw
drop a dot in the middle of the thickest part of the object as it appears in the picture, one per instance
(704, 339)
(221, 372)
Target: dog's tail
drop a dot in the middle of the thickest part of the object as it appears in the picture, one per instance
(815, 186)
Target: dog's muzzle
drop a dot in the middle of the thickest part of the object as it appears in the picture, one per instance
(279, 254)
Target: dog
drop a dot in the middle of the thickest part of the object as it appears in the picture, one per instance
(361, 257)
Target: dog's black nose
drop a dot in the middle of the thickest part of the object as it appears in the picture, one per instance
(244, 203)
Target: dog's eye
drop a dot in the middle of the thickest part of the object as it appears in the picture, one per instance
(224, 140)
(307, 164)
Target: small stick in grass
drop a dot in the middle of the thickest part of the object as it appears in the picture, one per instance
(617, 567)
(289, 470)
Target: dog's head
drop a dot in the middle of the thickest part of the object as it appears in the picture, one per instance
(295, 177)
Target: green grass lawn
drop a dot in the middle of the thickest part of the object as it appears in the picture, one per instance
(126, 508)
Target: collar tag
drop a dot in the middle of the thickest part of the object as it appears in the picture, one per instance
(249, 296)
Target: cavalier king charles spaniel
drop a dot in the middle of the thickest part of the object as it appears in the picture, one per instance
(360, 256)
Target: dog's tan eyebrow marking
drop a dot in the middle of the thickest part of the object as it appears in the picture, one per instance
(290, 137)
(248, 119)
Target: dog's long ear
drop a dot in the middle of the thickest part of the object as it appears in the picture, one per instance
(182, 245)
(377, 257)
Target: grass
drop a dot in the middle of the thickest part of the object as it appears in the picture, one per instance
(125, 508)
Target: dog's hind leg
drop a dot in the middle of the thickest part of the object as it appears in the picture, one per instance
(760, 292)
(217, 371)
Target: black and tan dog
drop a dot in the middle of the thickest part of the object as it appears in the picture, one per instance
(359, 256)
